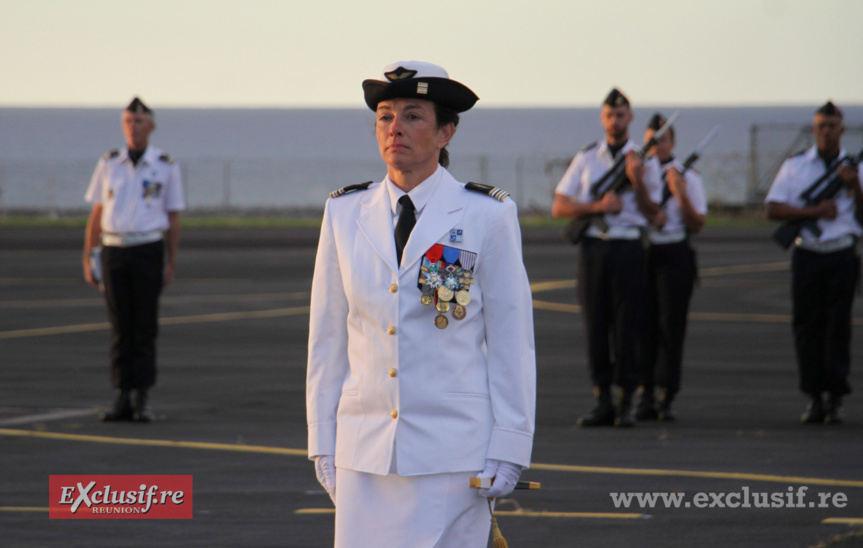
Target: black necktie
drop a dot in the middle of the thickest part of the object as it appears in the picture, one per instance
(407, 220)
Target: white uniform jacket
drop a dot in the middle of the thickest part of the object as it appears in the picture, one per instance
(796, 175)
(674, 224)
(590, 164)
(136, 198)
(384, 382)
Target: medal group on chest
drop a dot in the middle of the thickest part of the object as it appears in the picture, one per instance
(445, 277)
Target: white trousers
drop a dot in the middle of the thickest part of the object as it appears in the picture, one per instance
(433, 511)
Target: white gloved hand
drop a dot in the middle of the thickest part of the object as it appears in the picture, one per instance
(505, 475)
(325, 469)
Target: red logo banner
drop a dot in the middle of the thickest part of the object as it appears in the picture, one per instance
(120, 497)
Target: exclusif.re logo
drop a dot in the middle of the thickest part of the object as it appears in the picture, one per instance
(120, 497)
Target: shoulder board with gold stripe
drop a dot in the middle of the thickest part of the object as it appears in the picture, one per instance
(350, 188)
(111, 154)
(167, 159)
(494, 192)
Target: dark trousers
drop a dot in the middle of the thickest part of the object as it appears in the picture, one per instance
(133, 282)
(671, 273)
(611, 288)
(822, 287)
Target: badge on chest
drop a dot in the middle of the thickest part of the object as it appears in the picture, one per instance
(445, 277)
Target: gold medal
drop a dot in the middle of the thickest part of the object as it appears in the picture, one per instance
(426, 300)
(442, 307)
(462, 297)
(459, 312)
(444, 293)
(441, 322)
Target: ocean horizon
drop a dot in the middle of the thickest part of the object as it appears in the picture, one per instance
(250, 158)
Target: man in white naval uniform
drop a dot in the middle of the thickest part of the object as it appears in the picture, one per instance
(421, 372)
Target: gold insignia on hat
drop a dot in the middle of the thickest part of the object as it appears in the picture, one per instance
(422, 88)
(616, 99)
(400, 73)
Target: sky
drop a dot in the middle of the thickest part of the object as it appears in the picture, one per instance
(512, 53)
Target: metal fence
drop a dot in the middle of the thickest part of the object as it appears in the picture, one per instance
(771, 144)
(240, 185)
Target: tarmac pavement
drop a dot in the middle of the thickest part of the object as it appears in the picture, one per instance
(230, 402)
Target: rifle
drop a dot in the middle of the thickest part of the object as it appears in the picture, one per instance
(788, 232)
(696, 154)
(574, 231)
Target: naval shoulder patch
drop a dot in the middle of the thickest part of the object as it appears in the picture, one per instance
(798, 153)
(494, 192)
(167, 158)
(350, 188)
(590, 146)
(111, 154)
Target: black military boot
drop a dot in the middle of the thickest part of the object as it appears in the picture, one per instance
(814, 411)
(122, 410)
(625, 417)
(603, 413)
(646, 410)
(666, 413)
(142, 411)
(832, 410)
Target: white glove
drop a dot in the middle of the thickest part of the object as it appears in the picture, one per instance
(505, 475)
(325, 469)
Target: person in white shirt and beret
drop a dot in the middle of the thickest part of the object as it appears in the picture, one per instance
(825, 267)
(671, 275)
(611, 261)
(421, 365)
(137, 196)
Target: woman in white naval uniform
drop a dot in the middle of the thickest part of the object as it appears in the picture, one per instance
(421, 371)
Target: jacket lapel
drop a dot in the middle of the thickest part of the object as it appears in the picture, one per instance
(440, 215)
(376, 225)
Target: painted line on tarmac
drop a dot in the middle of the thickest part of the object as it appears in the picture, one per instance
(51, 416)
(533, 466)
(553, 285)
(537, 287)
(519, 513)
(694, 474)
(557, 307)
(179, 320)
(178, 299)
(744, 269)
(843, 521)
(700, 316)
(156, 443)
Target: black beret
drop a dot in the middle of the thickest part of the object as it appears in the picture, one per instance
(616, 99)
(419, 80)
(138, 107)
(656, 121)
(829, 109)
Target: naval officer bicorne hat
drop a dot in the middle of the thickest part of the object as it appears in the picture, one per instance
(418, 80)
